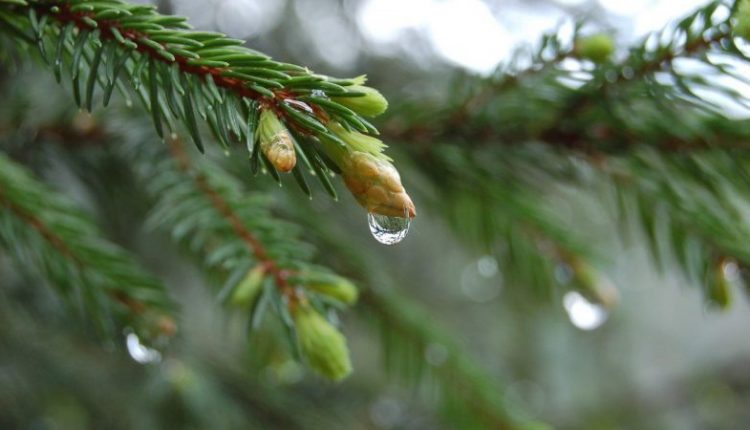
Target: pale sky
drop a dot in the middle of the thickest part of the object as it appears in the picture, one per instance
(479, 34)
(473, 34)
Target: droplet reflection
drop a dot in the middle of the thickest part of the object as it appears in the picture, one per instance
(487, 266)
(582, 313)
(482, 281)
(388, 230)
(731, 271)
(140, 352)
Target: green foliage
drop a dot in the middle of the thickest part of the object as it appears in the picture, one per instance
(52, 239)
(634, 133)
(643, 126)
(232, 230)
(181, 75)
(323, 346)
(597, 48)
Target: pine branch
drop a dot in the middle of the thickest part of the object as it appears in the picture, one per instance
(688, 210)
(483, 403)
(222, 206)
(193, 197)
(282, 111)
(263, 265)
(198, 387)
(256, 255)
(569, 101)
(51, 239)
(592, 118)
(495, 201)
(475, 403)
(416, 350)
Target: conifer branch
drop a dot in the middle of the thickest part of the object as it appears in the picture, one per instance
(571, 99)
(686, 210)
(262, 263)
(505, 215)
(270, 266)
(185, 75)
(43, 229)
(172, 179)
(599, 118)
(256, 255)
(421, 354)
(218, 390)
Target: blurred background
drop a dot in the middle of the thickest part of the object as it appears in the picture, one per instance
(660, 359)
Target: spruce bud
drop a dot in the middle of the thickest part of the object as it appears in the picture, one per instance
(368, 173)
(719, 290)
(336, 287)
(597, 48)
(247, 291)
(322, 344)
(742, 23)
(276, 142)
(372, 103)
(376, 185)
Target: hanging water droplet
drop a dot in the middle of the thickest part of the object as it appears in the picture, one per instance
(388, 230)
(582, 313)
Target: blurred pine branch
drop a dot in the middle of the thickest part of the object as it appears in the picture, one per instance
(51, 239)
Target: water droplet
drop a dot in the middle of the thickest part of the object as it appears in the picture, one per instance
(582, 313)
(388, 230)
(140, 352)
(482, 281)
(731, 271)
(487, 266)
(387, 412)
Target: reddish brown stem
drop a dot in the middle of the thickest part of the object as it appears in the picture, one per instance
(237, 86)
(557, 134)
(59, 244)
(255, 246)
(53, 239)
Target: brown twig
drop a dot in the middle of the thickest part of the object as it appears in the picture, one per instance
(59, 244)
(53, 239)
(559, 133)
(237, 86)
(280, 275)
(481, 98)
